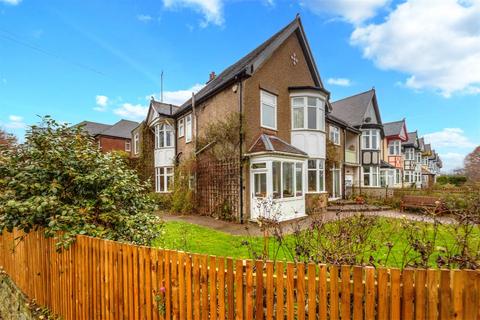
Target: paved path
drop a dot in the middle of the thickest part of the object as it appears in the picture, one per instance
(288, 227)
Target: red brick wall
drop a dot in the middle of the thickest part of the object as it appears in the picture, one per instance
(111, 143)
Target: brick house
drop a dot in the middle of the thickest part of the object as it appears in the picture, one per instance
(278, 92)
(116, 137)
(361, 111)
(395, 134)
(343, 166)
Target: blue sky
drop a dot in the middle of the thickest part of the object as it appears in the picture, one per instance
(101, 60)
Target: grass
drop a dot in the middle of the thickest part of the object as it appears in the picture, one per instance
(197, 239)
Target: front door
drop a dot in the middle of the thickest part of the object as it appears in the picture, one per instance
(336, 186)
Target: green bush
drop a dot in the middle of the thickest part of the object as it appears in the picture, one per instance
(455, 180)
(59, 180)
(162, 200)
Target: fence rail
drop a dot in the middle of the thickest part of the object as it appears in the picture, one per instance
(100, 279)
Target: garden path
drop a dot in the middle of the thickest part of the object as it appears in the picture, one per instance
(253, 229)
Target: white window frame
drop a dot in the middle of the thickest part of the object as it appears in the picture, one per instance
(371, 174)
(396, 146)
(295, 191)
(334, 135)
(369, 134)
(167, 130)
(319, 175)
(409, 154)
(188, 128)
(320, 112)
(162, 173)
(128, 146)
(136, 141)
(274, 106)
(181, 127)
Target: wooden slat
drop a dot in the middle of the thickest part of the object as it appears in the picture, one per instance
(345, 307)
(334, 293)
(407, 294)
(312, 294)
(300, 299)
(432, 289)
(259, 290)
(196, 287)
(181, 286)
(270, 287)
(382, 283)
(249, 291)
(471, 299)
(230, 289)
(290, 291)
(395, 279)
(204, 287)
(457, 294)
(279, 291)
(213, 288)
(445, 295)
(420, 303)
(369, 293)
(358, 291)
(322, 292)
(239, 290)
(221, 289)
(188, 287)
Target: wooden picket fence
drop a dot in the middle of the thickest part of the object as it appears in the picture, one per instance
(99, 279)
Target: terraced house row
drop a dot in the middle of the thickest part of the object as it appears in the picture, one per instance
(292, 143)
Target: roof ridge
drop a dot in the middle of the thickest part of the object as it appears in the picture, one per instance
(355, 95)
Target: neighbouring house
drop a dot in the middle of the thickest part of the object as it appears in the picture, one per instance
(395, 134)
(343, 155)
(362, 112)
(413, 161)
(277, 95)
(111, 137)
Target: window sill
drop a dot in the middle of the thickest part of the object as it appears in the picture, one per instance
(268, 128)
(312, 130)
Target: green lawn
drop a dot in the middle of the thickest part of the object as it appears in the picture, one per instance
(197, 239)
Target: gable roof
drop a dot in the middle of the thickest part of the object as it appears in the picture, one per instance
(121, 129)
(267, 143)
(352, 109)
(412, 140)
(428, 147)
(393, 128)
(92, 128)
(337, 121)
(247, 65)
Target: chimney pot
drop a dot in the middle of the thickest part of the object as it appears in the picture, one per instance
(212, 76)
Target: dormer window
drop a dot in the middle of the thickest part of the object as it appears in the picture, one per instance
(308, 113)
(163, 136)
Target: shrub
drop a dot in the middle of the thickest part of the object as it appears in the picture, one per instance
(60, 181)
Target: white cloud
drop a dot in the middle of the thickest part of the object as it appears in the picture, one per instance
(451, 161)
(449, 137)
(343, 82)
(353, 11)
(12, 2)
(130, 111)
(437, 43)
(177, 97)
(15, 122)
(144, 17)
(102, 102)
(212, 10)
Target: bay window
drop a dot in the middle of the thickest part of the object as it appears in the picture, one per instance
(409, 154)
(370, 176)
(188, 128)
(387, 178)
(163, 136)
(316, 175)
(287, 179)
(163, 179)
(308, 113)
(268, 110)
(394, 148)
(335, 135)
(371, 139)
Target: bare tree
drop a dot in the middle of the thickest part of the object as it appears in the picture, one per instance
(472, 165)
(7, 139)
